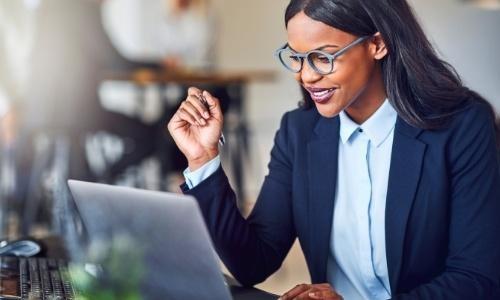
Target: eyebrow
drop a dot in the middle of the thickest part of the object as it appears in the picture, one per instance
(320, 48)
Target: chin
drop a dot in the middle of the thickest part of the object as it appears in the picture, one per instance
(327, 112)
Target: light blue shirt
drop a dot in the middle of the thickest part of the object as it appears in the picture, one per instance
(194, 178)
(357, 264)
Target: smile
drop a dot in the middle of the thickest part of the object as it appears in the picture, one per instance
(321, 95)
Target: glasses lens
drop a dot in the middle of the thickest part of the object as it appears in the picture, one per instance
(320, 62)
(290, 60)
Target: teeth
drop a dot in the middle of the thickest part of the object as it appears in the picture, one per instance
(322, 93)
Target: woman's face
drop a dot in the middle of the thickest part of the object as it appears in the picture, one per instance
(351, 86)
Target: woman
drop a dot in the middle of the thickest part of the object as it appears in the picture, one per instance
(387, 174)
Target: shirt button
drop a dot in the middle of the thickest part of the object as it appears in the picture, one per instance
(360, 130)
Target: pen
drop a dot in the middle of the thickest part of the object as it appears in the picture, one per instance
(222, 139)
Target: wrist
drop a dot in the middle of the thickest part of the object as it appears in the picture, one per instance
(198, 162)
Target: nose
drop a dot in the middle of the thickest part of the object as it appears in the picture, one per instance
(308, 74)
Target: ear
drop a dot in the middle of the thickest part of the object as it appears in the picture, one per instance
(379, 48)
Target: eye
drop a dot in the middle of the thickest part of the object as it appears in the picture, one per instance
(294, 58)
(320, 58)
(323, 59)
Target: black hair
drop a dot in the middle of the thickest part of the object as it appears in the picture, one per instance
(425, 90)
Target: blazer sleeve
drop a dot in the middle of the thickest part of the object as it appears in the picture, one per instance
(472, 266)
(253, 248)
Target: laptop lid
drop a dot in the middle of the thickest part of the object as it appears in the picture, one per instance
(161, 236)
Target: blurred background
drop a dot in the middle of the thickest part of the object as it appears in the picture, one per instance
(87, 87)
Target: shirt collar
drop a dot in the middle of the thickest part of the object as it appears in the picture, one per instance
(347, 127)
(377, 127)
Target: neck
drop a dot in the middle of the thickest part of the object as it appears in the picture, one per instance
(370, 99)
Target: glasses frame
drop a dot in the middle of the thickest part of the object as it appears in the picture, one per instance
(306, 56)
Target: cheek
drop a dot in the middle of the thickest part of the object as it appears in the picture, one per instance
(354, 75)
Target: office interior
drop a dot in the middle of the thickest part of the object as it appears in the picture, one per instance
(72, 106)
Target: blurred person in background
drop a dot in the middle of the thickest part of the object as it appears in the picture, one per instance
(174, 33)
(71, 54)
(387, 174)
(63, 54)
(162, 35)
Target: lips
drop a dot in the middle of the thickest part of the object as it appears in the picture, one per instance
(321, 95)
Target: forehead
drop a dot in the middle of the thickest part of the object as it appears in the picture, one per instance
(305, 34)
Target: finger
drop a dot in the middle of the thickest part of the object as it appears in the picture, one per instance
(305, 294)
(297, 290)
(324, 295)
(193, 111)
(176, 122)
(213, 105)
(196, 101)
(191, 108)
(193, 91)
(184, 115)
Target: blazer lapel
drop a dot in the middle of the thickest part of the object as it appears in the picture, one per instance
(405, 170)
(323, 158)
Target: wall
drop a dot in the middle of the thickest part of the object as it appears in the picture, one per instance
(469, 38)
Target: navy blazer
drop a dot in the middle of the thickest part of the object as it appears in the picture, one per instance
(442, 212)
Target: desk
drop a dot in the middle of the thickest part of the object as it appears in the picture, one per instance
(236, 127)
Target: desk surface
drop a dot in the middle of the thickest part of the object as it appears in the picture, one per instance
(218, 77)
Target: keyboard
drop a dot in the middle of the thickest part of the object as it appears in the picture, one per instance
(35, 279)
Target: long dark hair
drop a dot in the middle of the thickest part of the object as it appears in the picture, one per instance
(425, 90)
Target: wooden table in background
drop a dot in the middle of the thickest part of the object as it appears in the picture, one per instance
(236, 129)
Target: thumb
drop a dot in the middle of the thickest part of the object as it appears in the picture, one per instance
(324, 295)
(213, 105)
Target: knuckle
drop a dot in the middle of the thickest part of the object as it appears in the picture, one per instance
(195, 104)
(193, 90)
(192, 98)
(199, 104)
(183, 114)
(188, 107)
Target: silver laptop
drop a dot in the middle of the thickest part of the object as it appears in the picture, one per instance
(161, 236)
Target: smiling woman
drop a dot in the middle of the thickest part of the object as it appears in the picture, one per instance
(425, 90)
(387, 174)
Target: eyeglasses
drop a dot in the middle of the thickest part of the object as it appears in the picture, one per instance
(320, 61)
